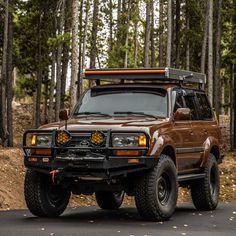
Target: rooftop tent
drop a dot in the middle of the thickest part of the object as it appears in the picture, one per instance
(146, 74)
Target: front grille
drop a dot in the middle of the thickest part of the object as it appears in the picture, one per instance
(81, 141)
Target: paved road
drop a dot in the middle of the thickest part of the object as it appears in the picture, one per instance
(84, 221)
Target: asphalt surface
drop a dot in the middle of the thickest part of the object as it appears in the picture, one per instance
(84, 221)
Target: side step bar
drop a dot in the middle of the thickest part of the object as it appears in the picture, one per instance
(188, 177)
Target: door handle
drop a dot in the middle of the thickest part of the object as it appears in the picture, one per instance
(191, 132)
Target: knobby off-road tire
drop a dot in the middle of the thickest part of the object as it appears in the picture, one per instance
(42, 197)
(157, 191)
(108, 200)
(205, 192)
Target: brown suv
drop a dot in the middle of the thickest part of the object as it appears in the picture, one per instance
(143, 132)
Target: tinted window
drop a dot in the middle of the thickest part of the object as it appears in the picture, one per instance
(204, 107)
(190, 103)
(148, 102)
(177, 100)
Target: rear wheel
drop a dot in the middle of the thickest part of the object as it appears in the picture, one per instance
(109, 200)
(43, 198)
(205, 192)
(157, 191)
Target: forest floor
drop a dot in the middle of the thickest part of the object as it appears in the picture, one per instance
(12, 173)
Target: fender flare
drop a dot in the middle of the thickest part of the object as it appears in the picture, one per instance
(208, 145)
(160, 143)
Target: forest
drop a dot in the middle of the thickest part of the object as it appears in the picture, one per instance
(46, 45)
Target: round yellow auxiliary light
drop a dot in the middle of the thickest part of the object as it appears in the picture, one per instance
(63, 137)
(97, 138)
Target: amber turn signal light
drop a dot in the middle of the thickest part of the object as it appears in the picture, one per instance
(34, 140)
(142, 141)
(126, 153)
(43, 152)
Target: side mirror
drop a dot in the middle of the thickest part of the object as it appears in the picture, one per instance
(182, 114)
(64, 114)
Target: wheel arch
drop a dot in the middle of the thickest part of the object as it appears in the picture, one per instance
(215, 150)
(170, 151)
(211, 145)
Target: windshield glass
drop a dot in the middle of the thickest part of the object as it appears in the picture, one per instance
(122, 102)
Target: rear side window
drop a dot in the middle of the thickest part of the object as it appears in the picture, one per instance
(177, 100)
(190, 103)
(204, 107)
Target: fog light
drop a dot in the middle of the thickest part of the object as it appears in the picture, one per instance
(97, 138)
(63, 137)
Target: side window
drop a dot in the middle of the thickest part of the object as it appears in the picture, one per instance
(177, 100)
(190, 103)
(204, 107)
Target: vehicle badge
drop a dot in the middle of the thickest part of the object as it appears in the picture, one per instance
(84, 143)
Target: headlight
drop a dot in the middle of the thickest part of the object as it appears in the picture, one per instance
(41, 140)
(129, 140)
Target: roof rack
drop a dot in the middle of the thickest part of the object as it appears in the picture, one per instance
(163, 74)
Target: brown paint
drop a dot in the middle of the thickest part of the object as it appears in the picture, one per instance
(181, 136)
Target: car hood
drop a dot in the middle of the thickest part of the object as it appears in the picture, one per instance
(109, 123)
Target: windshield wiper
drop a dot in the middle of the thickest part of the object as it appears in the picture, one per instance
(91, 113)
(137, 113)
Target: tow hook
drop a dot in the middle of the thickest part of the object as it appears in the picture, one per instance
(53, 173)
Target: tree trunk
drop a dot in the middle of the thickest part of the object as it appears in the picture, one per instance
(169, 35)
(118, 15)
(45, 107)
(204, 43)
(177, 34)
(85, 38)
(39, 79)
(187, 38)
(210, 53)
(74, 55)
(110, 5)
(147, 34)
(234, 103)
(232, 107)
(135, 20)
(217, 87)
(80, 49)
(9, 79)
(161, 34)
(59, 63)
(152, 37)
(3, 81)
(66, 51)
(233, 93)
(93, 51)
(51, 114)
(127, 36)
(136, 44)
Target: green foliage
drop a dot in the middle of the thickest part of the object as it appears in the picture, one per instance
(25, 86)
(54, 42)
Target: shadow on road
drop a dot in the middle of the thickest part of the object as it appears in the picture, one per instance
(91, 214)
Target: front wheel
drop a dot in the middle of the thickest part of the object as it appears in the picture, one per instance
(109, 200)
(157, 191)
(43, 198)
(205, 192)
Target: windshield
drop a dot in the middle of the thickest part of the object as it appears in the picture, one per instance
(123, 102)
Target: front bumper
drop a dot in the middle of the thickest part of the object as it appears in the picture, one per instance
(91, 165)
